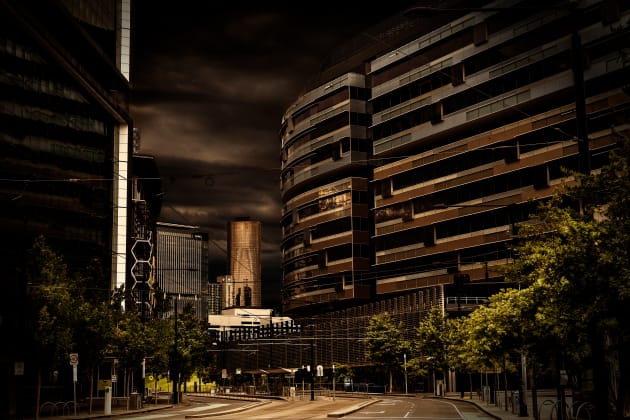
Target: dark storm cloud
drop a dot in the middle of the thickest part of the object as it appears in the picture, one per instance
(211, 81)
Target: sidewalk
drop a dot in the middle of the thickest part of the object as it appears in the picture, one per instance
(342, 407)
(498, 412)
(99, 413)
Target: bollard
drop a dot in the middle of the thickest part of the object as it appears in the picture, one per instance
(108, 401)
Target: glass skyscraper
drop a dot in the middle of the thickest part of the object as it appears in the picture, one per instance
(182, 266)
(65, 147)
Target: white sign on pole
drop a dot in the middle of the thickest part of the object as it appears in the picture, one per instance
(19, 368)
(74, 359)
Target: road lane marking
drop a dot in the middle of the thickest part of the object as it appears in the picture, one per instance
(206, 407)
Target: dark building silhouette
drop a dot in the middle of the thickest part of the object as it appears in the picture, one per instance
(65, 145)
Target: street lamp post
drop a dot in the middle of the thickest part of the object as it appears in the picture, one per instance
(405, 367)
(175, 359)
(333, 381)
(312, 378)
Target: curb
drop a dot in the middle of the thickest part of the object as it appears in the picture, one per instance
(494, 416)
(352, 409)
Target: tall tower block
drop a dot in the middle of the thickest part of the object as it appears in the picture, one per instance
(244, 259)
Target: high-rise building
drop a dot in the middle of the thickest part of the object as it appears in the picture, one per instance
(65, 145)
(182, 266)
(409, 163)
(228, 292)
(244, 259)
(215, 298)
(147, 202)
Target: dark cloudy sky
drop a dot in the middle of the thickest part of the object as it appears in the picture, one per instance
(211, 82)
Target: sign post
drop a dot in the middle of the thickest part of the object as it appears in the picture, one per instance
(333, 380)
(74, 362)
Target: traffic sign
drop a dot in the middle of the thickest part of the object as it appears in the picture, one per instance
(74, 359)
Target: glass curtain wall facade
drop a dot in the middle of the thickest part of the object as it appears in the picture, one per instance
(147, 203)
(409, 164)
(64, 148)
(182, 267)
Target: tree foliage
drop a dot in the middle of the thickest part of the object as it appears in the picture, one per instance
(431, 344)
(573, 269)
(193, 344)
(69, 313)
(386, 344)
(53, 302)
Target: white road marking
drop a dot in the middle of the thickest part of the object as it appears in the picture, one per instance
(206, 407)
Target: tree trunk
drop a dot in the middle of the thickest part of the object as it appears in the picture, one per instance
(38, 394)
(534, 391)
(91, 380)
(600, 377)
(391, 382)
(623, 399)
(561, 411)
(505, 386)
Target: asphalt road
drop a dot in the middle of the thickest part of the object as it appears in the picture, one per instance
(377, 407)
(419, 409)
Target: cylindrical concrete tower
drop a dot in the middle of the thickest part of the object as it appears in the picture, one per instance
(244, 259)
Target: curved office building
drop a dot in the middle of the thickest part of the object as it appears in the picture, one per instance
(325, 220)
(410, 162)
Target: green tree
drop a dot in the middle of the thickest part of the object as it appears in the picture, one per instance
(574, 263)
(431, 344)
(52, 301)
(386, 343)
(193, 344)
(93, 335)
(131, 345)
(462, 353)
(342, 371)
(498, 334)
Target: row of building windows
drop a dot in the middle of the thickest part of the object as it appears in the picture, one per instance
(481, 111)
